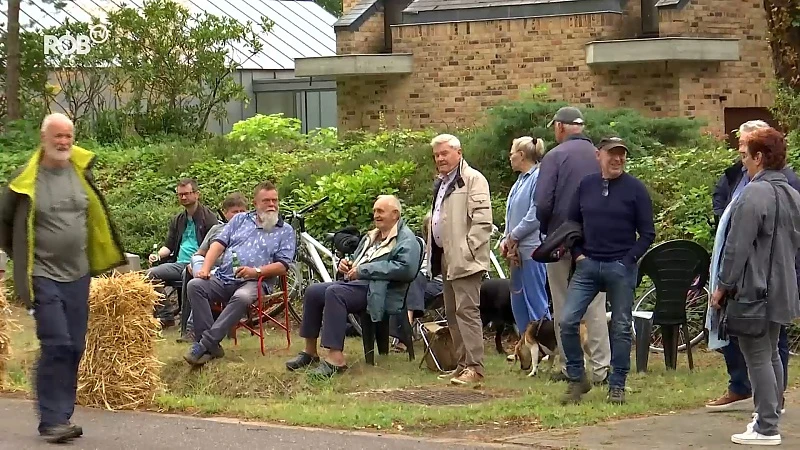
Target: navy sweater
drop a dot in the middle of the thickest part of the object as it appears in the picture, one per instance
(610, 223)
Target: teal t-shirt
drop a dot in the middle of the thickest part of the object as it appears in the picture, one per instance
(188, 243)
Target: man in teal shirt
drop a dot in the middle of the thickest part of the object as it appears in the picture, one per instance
(186, 232)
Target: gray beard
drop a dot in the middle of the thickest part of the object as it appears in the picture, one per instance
(268, 219)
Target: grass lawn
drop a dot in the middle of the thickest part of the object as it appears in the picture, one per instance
(247, 385)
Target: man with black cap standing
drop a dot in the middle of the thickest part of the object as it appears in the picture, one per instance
(561, 170)
(613, 207)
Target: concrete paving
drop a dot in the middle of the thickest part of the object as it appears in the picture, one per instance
(695, 430)
(106, 430)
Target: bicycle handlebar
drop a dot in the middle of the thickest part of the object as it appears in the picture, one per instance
(313, 206)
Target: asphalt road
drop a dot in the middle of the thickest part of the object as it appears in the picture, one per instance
(148, 431)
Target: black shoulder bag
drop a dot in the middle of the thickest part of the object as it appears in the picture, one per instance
(747, 317)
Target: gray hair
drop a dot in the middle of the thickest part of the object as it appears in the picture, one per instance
(394, 201)
(53, 118)
(448, 139)
(752, 125)
(531, 150)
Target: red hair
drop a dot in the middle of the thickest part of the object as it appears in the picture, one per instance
(772, 146)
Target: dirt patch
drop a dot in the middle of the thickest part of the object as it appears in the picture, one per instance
(431, 396)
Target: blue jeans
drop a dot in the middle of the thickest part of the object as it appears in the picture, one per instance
(739, 382)
(590, 278)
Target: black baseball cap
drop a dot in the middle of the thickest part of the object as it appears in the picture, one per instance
(610, 143)
(568, 115)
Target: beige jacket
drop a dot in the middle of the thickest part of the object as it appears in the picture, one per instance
(466, 226)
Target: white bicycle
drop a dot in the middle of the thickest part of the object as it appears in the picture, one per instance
(314, 263)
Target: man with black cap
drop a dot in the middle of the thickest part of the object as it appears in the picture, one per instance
(613, 207)
(561, 170)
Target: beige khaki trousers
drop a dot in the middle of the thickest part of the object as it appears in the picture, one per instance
(462, 298)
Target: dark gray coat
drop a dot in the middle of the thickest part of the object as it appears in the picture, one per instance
(745, 261)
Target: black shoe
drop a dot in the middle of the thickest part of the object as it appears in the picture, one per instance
(60, 434)
(302, 359)
(575, 390)
(78, 429)
(616, 395)
(326, 370)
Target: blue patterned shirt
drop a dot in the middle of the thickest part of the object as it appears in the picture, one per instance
(254, 246)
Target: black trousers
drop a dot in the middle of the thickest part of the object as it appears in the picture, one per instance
(61, 311)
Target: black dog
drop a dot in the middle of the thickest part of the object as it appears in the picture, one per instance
(495, 308)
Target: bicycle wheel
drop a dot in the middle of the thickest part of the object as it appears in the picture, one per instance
(696, 305)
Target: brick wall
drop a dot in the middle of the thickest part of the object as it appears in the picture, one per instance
(367, 39)
(460, 69)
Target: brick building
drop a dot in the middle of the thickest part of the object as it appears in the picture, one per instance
(443, 62)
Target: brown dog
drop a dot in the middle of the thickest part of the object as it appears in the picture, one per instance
(539, 341)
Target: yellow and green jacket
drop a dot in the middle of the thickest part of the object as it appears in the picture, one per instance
(17, 221)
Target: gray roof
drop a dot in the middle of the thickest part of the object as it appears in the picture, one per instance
(427, 11)
(301, 28)
(360, 12)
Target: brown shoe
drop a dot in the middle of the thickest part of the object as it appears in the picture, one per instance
(468, 376)
(728, 401)
(451, 374)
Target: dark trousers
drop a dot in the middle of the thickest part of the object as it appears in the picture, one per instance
(739, 382)
(61, 311)
(325, 309)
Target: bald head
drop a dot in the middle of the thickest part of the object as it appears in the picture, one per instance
(386, 212)
(57, 135)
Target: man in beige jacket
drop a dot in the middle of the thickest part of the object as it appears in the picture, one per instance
(459, 246)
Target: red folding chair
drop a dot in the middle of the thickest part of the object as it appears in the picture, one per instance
(260, 308)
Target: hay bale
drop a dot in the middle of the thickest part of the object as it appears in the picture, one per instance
(7, 325)
(119, 369)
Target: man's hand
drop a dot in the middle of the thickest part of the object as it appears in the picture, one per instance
(202, 273)
(352, 274)
(717, 298)
(344, 266)
(153, 258)
(246, 272)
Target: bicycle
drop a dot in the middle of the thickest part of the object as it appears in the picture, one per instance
(697, 299)
(310, 263)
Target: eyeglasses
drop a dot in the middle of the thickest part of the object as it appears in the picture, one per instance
(184, 194)
(605, 188)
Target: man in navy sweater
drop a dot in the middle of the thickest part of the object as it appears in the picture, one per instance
(612, 206)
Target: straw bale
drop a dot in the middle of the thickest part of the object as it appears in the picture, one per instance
(119, 369)
(7, 325)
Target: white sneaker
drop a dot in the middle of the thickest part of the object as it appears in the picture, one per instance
(752, 424)
(750, 437)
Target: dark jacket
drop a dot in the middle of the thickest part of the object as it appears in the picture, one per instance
(557, 243)
(204, 218)
(561, 170)
(723, 191)
(104, 248)
(389, 270)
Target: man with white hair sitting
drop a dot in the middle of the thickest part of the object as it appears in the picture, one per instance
(253, 244)
(386, 260)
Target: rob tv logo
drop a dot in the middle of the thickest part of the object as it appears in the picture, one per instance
(79, 44)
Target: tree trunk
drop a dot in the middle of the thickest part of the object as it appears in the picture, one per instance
(783, 24)
(13, 62)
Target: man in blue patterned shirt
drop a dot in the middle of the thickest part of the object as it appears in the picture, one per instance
(264, 245)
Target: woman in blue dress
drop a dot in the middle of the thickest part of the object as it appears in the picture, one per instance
(528, 277)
